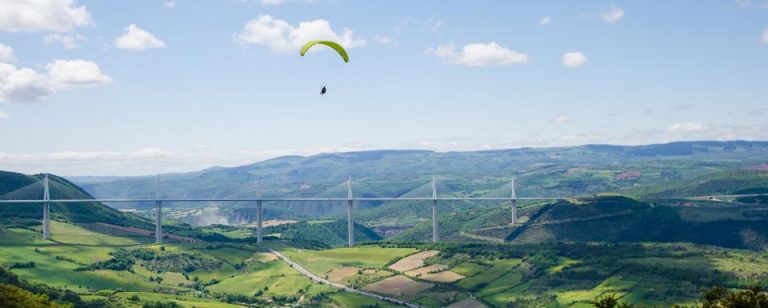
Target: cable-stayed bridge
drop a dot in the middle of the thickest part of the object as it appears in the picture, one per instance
(40, 193)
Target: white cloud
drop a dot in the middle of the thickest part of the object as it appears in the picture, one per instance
(170, 4)
(135, 38)
(42, 15)
(561, 119)
(27, 85)
(749, 4)
(282, 38)
(272, 2)
(764, 37)
(546, 20)
(6, 53)
(22, 85)
(386, 40)
(574, 59)
(68, 41)
(479, 54)
(613, 14)
(687, 127)
(4, 115)
(68, 73)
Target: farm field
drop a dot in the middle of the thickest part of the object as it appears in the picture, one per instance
(494, 275)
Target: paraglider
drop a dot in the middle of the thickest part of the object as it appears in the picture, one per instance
(333, 45)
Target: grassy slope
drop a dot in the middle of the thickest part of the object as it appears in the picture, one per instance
(324, 234)
(720, 183)
(735, 227)
(566, 274)
(606, 219)
(322, 261)
(60, 188)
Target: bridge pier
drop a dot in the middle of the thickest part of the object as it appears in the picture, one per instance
(350, 222)
(259, 214)
(350, 225)
(435, 228)
(46, 210)
(159, 212)
(513, 198)
(259, 230)
(159, 222)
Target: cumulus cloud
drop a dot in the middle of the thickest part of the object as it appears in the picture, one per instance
(687, 127)
(386, 40)
(546, 20)
(764, 37)
(6, 53)
(283, 38)
(68, 73)
(479, 54)
(68, 41)
(273, 2)
(27, 85)
(561, 119)
(47, 16)
(22, 84)
(613, 14)
(135, 38)
(574, 59)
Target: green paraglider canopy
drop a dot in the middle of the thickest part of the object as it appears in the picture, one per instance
(334, 45)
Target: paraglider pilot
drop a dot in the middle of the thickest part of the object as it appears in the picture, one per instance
(322, 91)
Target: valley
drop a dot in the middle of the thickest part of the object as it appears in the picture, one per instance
(661, 242)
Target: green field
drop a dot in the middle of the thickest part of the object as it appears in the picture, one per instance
(322, 261)
(497, 275)
(535, 266)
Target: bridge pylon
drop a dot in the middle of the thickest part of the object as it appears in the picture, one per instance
(513, 199)
(46, 209)
(159, 212)
(259, 214)
(435, 227)
(350, 222)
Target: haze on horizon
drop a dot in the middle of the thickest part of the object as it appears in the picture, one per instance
(127, 88)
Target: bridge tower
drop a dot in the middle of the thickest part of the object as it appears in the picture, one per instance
(159, 210)
(513, 198)
(435, 229)
(259, 213)
(46, 209)
(350, 223)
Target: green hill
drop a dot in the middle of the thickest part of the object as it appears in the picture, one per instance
(60, 188)
(620, 219)
(733, 182)
(322, 234)
(557, 171)
(607, 219)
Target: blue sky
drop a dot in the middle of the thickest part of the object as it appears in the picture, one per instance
(137, 87)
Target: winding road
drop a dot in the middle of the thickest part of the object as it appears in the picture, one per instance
(319, 279)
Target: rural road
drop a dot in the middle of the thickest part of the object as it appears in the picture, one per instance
(319, 279)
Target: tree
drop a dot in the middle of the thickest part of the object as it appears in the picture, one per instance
(12, 297)
(610, 301)
(720, 297)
